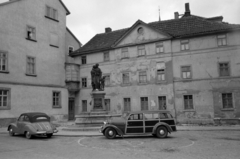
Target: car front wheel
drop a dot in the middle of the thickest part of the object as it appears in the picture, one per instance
(11, 132)
(162, 132)
(110, 133)
(28, 135)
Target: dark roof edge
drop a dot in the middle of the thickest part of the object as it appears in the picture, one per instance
(76, 53)
(8, 2)
(207, 33)
(74, 36)
(68, 12)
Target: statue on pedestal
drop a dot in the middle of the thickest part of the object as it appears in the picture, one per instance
(97, 79)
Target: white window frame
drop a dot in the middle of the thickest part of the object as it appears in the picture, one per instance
(222, 40)
(3, 61)
(6, 98)
(185, 45)
(159, 47)
(56, 99)
(30, 65)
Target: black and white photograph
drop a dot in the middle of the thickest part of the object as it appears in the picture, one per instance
(119, 79)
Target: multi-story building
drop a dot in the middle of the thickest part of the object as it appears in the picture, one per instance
(188, 65)
(34, 46)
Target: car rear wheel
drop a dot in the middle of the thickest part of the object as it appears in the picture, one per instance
(49, 135)
(162, 132)
(28, 135)
(110, 133)
(11, 132)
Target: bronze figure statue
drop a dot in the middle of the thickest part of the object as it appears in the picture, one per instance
(96, 75)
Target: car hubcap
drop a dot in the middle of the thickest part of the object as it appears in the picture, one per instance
(110, 132)
(11, 131)
(162, 132)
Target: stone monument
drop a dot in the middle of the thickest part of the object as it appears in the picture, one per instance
(98, 93)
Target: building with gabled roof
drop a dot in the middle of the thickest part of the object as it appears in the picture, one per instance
(188, 65)
(34, 48)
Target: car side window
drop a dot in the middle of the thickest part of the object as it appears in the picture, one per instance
(163, 116)
(136, 117)
(21, 118)
(151, 116)
(26, 118)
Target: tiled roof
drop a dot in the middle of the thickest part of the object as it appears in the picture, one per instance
(177, 28)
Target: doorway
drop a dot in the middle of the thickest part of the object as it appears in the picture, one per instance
(71, 109)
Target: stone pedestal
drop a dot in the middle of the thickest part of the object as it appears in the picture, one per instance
(98, 100)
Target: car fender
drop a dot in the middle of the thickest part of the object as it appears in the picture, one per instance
(159, 124)
(119, 132)
(14, 127)
(29, 128)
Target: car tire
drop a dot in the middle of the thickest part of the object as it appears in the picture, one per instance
(49, 135)
(110, 133)
(28, 135)
(11, 132)
(162, 132)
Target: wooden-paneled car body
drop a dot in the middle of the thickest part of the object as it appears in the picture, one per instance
(158, 123)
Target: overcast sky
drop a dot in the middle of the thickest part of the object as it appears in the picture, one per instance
(90, 17)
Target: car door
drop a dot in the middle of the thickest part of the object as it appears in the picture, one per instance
(151, 119)
(20, 123)
(134, 124)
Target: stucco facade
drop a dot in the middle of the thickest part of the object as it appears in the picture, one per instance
(34, 91)
(202, 86)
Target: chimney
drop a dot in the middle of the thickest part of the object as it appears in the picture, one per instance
(108, 30)
(176, 15)
(187, 10)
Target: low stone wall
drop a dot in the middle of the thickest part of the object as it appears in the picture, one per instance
(6, 121)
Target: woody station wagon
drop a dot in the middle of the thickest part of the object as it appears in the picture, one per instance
(157, 123)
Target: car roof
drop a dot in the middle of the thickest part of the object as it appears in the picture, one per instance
(31, 114)
(149, 111)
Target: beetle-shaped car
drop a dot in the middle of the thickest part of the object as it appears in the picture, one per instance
(158, 123)
(30, 124)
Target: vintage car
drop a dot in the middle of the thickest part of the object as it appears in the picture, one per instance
(158, 123)
(32, 124)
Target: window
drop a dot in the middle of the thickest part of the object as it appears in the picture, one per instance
(106, 56)
(56, 99)
(144, 103)
(188, 102)
(162, 102)
(143, 77)
(141, 50)
(136, 117)
(107, 80)
(107, 104)
(70, 49)
(159, 48)
(4, 98)
(161, 75)
(221, 40)
(152, 116)
(125, 53)
(186, 72)
(127, 104)
(54, 40)
(3, 62)
(31, 70)
(84, 105)
(184, 45)
(125, 78)
(227, 100)
(31, 33)
(224, 69)
(51, 13)
(140, 30)
(84, 60)
(84, 82)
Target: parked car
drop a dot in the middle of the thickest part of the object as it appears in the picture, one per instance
(32, 124)
(158, 123)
